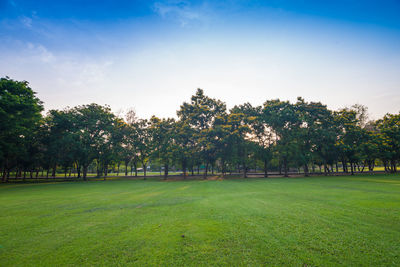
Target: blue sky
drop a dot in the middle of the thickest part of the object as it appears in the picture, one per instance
(152, 55)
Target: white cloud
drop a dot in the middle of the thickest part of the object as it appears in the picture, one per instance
(26, 21)
(40, 53)
(182, 12)
(60, 79)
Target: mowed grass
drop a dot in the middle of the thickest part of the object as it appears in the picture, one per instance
(316, 221)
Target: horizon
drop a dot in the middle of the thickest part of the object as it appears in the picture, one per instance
(153, 55)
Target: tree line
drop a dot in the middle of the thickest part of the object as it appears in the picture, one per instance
(277, 136)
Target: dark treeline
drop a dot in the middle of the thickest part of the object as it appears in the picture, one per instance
(277, 136)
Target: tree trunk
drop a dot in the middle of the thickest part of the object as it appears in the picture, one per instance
(184, 168)
(223, 171)
(98, 169)
(85, 169)
(393, 166)
(205, 171)
(306, 170)
(352, 169)
(105, 170)
(78, 170)
(144, 171)
(135, 166)
(4, 175)
(344, 165)
(118, 168)
(265, 168)
(126, 167)
(285, 166)
(280, 166)
(165, 171)
(184, 171)
(53, 174)
(365, 163)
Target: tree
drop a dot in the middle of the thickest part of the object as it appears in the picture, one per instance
(349, 139)
(238, 121)
(130, 141)
(162, 131)
(317, 134)
(184, 146)
(260, 133)
(20, 118)
(200, 114)
(61, 140)
(389, 130)
(143, 144)
(93, 124)
(284, 120)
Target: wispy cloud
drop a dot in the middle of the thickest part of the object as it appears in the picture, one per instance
(182, 11)
(51, 72)
(26, 21)
(40, 53)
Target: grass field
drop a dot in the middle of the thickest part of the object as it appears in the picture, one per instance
(318, 221)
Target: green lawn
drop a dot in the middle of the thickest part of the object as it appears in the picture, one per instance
(317, 221)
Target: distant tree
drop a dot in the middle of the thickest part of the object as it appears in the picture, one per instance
(130, 142)
(370, 146)
(93, 124)
(260, 133)
(184, 146)
(361, 114)
(162, 131)
(242, 148)
(144, 143)
(389, 130)
(284, 120)
(61, 140)
(205, 135)
(200, 114)
(317, 134)
(350, 137)
(20, 118)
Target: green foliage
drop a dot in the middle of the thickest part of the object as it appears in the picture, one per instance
(389, 129)
(20, 118)
(201, 114)
(279, 135)
(162, 134)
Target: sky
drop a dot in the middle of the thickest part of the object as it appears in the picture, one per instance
(152, 55)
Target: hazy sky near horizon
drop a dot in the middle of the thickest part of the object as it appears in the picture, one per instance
(152, 55)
